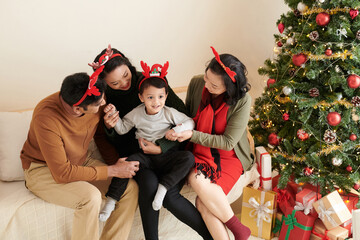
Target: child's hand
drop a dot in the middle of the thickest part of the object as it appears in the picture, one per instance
(182, 136)
(111, 117)
(149, 147)
(109, 108)
(170, 135)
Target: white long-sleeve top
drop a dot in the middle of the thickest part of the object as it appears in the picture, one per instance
(153, 127)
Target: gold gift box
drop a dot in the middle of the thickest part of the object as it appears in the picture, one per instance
(258, 211)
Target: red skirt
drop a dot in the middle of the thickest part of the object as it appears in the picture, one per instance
(231, 170)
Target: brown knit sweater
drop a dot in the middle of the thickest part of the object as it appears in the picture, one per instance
(61, 141)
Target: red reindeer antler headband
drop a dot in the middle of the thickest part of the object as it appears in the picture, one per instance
(230, 73)
(154, 71)
(99, 66)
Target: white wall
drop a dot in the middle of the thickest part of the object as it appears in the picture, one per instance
(42, 41)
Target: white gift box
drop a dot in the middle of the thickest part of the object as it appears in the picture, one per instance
(356, 224)
(264, 167)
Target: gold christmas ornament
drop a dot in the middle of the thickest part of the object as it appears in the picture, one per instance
(283, 99)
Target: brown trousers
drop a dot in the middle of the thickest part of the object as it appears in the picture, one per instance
(86, 199)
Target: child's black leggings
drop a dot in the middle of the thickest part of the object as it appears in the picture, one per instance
(172, 166)
(179, 206)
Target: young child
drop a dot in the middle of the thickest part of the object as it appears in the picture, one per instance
(153, 120)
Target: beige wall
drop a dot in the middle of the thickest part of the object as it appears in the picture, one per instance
(42, 41)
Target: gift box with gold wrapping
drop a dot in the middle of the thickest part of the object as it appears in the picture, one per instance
(258, 211)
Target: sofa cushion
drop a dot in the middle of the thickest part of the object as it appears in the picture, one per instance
(14, 127)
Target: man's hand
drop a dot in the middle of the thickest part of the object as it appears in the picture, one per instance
(149, 147)
(182, 136)
(123, 169)
(111, 116)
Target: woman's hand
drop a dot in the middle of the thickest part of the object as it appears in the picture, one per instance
(149, 147)
(111, 116)
(170, 135)
(182, 136)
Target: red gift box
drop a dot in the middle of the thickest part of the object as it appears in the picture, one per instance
(350, 200)
(296, 225)
(285, 199)
(304, 200)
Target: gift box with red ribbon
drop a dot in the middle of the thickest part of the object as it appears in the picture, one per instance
(320, 232)
(264, 167)
(347, 225)
(296, 225)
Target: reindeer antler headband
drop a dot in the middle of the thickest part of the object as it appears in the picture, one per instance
(99, 67)
(154, 71)
(229, 72)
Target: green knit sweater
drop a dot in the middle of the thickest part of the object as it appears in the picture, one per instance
(125, 101)
(235, 135)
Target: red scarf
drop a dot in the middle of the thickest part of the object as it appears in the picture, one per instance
(210, 118)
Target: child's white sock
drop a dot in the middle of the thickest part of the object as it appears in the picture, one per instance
(159, 197)
(107, 209)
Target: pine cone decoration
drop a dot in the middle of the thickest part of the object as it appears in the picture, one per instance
(314, 35)
(314, 92)
(356, 101)
(292, 72)
(329, 136)
(297, 13)
(358, 35)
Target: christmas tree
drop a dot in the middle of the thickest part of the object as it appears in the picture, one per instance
(309, 112)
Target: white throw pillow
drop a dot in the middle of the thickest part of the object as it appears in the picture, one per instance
(14, 127)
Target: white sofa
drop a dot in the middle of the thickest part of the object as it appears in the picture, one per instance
(23, 216)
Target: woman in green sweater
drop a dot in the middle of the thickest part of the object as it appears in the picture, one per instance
(122, 80)
(221, 106)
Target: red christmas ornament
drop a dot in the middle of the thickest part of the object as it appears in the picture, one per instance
(328, 52)
(270, 81)
(279, 43)
(353, 13)
(323, 19)
(299, 59)
(285, 116)
(281, 27)
(274, 139)
(302, 135)
(349, 168)
(333, 118)
(308, 171)
(356, 186)
(353, 81)
(352, 137)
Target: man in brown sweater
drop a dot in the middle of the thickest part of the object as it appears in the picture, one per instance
(58, 167)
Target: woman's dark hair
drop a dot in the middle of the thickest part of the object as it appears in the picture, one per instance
(114, 63)
(155, 82)
(74, 87)
(236, 91)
